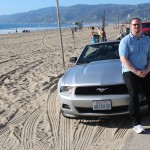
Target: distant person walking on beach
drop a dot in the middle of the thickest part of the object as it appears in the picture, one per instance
(103, 34)
(122, 29)
(92, 34)
(72, 31)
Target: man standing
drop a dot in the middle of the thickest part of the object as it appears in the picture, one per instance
(93, 34)
(103, 35)
(134, 51)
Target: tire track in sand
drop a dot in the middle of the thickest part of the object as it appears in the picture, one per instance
(53, 118)
(52, 109)
(84, 134)
(3, 138)
(122, 128)
(65, 134)
(112, 135)
(28, 134)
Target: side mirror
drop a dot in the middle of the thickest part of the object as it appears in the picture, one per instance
(73, 59)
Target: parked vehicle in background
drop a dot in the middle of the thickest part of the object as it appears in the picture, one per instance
(146, 28)
(145, 31)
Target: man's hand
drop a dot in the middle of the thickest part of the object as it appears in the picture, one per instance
(141, 73)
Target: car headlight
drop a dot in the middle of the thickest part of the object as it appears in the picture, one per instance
(66, 89)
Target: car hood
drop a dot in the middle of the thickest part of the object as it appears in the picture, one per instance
(107, 72)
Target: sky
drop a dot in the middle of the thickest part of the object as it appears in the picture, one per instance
(17, 6)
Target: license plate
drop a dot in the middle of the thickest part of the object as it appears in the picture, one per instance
(102, 105)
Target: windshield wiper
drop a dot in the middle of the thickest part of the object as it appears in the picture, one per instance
(85, 62)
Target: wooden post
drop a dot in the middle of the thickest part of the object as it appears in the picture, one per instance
(59, 26)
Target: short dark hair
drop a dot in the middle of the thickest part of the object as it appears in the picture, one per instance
(135, 19)
(92, 28)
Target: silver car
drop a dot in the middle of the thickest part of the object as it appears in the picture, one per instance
(94, 85)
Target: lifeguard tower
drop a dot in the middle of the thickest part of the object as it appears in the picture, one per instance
(79, 25)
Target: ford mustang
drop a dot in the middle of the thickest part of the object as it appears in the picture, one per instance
(94, 85)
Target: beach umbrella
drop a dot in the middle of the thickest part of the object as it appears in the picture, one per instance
(59, 26)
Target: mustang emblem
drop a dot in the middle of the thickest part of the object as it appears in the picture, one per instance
(101, 89)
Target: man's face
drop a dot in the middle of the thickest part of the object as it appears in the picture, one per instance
(136, 26)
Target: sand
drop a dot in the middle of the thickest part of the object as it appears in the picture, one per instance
(30, 119)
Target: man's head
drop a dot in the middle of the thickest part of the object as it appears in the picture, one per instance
(136, 26)
(92, 28)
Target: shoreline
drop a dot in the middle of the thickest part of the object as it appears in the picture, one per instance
(18, 28)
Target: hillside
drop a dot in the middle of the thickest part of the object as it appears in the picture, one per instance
(85, 13)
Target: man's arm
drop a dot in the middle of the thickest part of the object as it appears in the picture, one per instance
(127, 63)
(147, 70)
(148, 66)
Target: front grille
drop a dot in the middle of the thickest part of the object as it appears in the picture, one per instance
(102, 90)
(117, 109)
(113, 110)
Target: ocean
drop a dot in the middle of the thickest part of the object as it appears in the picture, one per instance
(13, 28)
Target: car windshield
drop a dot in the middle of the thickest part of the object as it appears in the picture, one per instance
(100, 51)
(146, 25)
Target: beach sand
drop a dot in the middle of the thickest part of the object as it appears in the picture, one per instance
(30, 119)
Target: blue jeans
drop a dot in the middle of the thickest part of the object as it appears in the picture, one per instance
(133, 82)
(93, 40)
